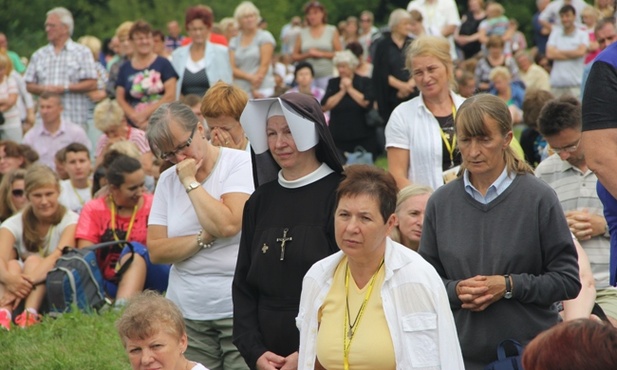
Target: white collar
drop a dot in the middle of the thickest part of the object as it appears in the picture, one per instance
(321, 172)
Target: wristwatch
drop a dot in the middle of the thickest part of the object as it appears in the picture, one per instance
(192, 185)
(508, 294)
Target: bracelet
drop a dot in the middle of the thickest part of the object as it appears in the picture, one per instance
(202, 243)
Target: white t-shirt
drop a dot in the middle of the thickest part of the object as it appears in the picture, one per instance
(74, 198)
(567, 72)
(15, 226)
(201, 284)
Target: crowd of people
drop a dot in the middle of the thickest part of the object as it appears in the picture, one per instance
(227, 165)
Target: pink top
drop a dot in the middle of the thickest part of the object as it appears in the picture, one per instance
(134, 135)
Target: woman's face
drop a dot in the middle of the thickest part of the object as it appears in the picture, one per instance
(158, 45)
(132, 189)
(484, 156)
(359, 228)
(126, 46)
(410, 217)
(162, 351)
(415, 27)
(283, 146)
(44, 201)
(501, 83)
(248, 22)
(402, 28)
(118, 131)
(314, 16)
(8, 164)
(344, 70)
(495, 51)
(304, 77)
(18, 194)
(198, 31)
(225, 128)
(474, 5)
(430, 75)
(143, 43)
(180, 151)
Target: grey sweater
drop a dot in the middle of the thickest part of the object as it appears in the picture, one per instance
(524, 233)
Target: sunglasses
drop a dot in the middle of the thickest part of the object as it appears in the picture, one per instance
(18, 193)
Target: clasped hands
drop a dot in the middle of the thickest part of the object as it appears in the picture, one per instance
(272, 361)
(18, 287)
(585, 225)
(479, 292)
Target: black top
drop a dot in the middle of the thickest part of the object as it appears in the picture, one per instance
(348, 118)
(389, 61)
(447, 126)
(469, 26)
(195, 83)
(266, 290)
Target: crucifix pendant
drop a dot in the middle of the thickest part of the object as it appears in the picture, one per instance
(284, 240)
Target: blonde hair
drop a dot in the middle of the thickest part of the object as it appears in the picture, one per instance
(92, 43)
(470, 122)
(5, 62)
(122, 32)
(245, 8)
(107, 115)
(405, 193)
(500, 71)
(148, 313)
(226, 22)
(127, 148)
(494, 10)
(432, 46)
(36, 177)
(397, 16)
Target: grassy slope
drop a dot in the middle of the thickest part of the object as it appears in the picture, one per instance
(73, 341)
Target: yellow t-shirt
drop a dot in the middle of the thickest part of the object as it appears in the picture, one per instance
(371, 347)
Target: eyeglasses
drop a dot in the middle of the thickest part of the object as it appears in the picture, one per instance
(179, 148)
(18, 193)
(568, 149)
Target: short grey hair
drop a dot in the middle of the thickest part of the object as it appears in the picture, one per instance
(345, 57)
(397, 16)
(158, 133)
(66, 18)
(246, 8)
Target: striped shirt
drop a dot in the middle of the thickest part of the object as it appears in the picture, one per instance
(73, 64)
(576, 191)
(136, 136)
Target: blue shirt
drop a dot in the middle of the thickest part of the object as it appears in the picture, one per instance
(610, 214)
(499, 186)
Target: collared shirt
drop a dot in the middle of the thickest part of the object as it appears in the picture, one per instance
(499, 186)
(73, 64)
(46, 144)
(172, 44)
(576, 190)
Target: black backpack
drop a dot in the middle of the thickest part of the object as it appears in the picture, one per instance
(76, 279)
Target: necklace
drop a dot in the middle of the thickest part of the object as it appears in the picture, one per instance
(113, 220)
(450, 147)
(81, 200)
(349, 329)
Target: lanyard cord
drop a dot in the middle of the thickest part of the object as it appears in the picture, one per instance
(450, 147)
(113, 220)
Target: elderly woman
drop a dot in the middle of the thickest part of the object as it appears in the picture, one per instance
(410, 206)
(287, 225)
(154, 335)
(146, 81)
(222, 107)
(495, 57)
(512, 93)
(12, 194)
(348, 98)
(422, 151)
(110, 120)
(317, 43)
(195, 225)
(391, 79)
(200, 63)
(250, 53)
(31, 242)
(498, 238)
(366, 286)
(9, 113)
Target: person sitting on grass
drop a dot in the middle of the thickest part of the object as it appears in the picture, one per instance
(153, 334)
(30, 243)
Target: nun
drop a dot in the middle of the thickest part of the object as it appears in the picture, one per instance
(287, 224)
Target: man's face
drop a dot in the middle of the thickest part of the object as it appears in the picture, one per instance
(523, 62)
(55, 29)
(50, 110)
(567, 20)
(566, 144)
(173, 28)
(606, 35)
(77, 165)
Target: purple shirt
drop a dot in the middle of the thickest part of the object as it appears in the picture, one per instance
(47, 144)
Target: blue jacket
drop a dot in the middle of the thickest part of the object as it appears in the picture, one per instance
(218, 66)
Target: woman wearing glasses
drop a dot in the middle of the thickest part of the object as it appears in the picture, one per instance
(195, 225)
(12, 194)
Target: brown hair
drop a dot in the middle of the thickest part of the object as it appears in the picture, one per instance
(534, 100)
(38, 176)
(140, 26)
(372, 181)
(7, 208)
(470, 122)
(201, 12)
(573, 345)
(494, 41)
(148, 313)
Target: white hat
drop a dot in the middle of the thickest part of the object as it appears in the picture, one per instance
(255, 116)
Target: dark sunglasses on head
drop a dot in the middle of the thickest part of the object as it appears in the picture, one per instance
(18, 193)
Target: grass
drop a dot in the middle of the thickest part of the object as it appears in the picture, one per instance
(72, 341)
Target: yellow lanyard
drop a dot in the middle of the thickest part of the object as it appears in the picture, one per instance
(350, 331)
(113, 221)
(44, 251)
(81, 201)
(449, 147)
